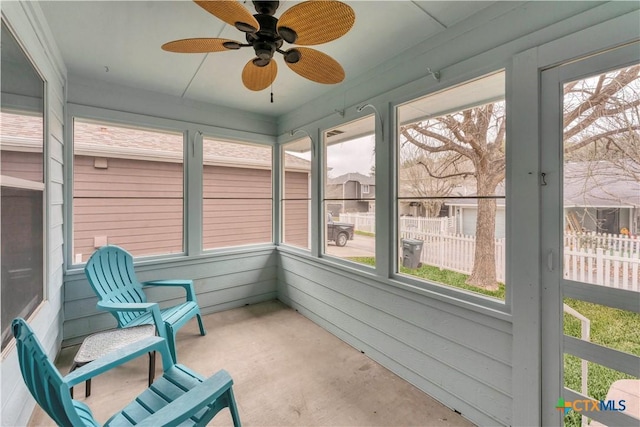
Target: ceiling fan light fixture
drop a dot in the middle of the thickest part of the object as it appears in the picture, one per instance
(288, 34)
(259, 62)
(264, 49)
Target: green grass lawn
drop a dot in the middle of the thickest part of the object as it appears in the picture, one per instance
(610, 327)
(434, 274)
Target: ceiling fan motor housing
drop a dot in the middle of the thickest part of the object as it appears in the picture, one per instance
(266, 40)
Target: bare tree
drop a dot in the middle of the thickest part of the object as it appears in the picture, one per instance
(430, 177)
(476, 135)
(604, 108)
(601, 139)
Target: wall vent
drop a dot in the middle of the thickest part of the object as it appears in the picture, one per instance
(334, 132)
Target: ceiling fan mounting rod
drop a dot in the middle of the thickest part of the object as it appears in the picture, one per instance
(266, 7)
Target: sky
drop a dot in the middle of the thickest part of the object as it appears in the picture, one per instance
(356, 155)
(352, 156)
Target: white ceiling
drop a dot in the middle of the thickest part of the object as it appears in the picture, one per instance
(119, 42)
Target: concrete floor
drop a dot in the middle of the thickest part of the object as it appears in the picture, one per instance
(287, 371)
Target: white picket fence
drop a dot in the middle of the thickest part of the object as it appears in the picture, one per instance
(598, 266)
(614, 242)
(365, 221)
(362, 221)
(425, 225)
(601, 259)
(454, 252)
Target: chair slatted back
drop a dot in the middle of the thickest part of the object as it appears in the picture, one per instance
(111, 275)
(42, 378)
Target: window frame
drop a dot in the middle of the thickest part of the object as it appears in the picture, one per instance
(41, 187)
(322, 183)
(459, 294)
(280, 152)
(124, 119)
(236, 140)
(192, 174)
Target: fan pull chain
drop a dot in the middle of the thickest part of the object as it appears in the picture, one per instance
(272, 94)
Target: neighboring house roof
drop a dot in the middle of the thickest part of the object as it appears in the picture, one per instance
(19, 132)
(601, 184)
(598, 184)
(353, 176)
(23, 131)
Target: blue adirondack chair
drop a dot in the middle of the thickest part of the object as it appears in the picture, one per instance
(179, 397)
(111, 275)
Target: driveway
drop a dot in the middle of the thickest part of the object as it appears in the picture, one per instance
(360, 246)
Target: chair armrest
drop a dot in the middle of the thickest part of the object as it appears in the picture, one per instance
(175, 282)
(126, 306)
(187, 284)
(152, 307)
(119, 357)
(191, 402)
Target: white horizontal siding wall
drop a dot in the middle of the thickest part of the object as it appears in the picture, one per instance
(485, 365)
(225, 277)
(460, 356)
(455, 355)
(221, 282)
(32, 32)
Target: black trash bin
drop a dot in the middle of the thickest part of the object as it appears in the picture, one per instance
(411, 251)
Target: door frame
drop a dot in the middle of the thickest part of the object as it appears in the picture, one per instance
(524, 272)
(554, 286)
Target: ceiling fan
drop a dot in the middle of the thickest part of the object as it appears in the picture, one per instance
(306, 24)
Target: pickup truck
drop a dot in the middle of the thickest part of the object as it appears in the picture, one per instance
(339, 232)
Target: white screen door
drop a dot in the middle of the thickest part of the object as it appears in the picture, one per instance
(591, 237)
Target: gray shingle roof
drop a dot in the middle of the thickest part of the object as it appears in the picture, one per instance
(103, 139)
(353, 176)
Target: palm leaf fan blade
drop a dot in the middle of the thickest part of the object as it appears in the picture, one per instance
(316, 22)
(317, 66)
(197, 45)
(230, 12)
(258, 78)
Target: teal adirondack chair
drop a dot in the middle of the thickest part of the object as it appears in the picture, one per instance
(112, 277)
(179, 397)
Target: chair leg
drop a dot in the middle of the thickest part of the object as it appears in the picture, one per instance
(152, 367)
(171, 340)
(87, 384)
(233, 408)
(202, 330)
(73, 368)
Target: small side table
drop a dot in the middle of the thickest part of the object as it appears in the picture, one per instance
(99, 344)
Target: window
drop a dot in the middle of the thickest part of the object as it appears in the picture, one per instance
(22, 191)
(127, 189)
(365, 188)
(350, 215)
(451, 187)
(601, 185)
(237, 196)
(296, 193)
